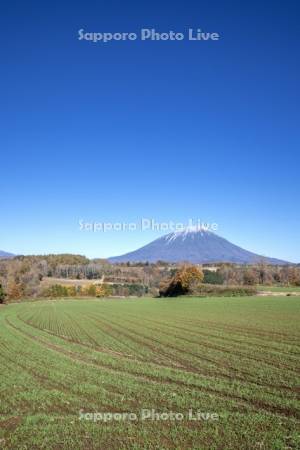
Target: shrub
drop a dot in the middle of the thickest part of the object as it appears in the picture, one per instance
(184, 280)
(128, 289)
(103, 290)
(57, 290)
(2, 294)
(205, 290)
(212, 277)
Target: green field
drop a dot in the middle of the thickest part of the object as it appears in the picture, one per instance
(286, 289)
(234, 357)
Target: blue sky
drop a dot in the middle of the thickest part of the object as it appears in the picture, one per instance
(166, 130)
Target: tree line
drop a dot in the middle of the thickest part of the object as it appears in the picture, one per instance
(30, 276)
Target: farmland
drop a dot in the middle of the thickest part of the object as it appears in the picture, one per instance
(280, 289)
(64, 360)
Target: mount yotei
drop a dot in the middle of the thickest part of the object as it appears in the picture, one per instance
(194, 246)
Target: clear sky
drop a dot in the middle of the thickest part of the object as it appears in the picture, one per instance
(166, 130)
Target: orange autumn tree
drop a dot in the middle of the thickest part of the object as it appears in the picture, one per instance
(182, 282)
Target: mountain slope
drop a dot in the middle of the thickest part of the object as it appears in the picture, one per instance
(4, 255)
(195, 246)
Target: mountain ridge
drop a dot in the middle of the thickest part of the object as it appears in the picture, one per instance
(194, 246)
(4, 255)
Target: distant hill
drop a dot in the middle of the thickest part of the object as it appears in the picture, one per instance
(5, 255)
(194, 246)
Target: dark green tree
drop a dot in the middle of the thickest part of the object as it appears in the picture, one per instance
(2, 294)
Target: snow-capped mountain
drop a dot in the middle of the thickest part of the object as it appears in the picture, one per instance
(194, 246)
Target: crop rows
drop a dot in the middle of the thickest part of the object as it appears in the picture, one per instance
(238, 358)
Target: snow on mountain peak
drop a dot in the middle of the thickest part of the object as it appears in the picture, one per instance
(190, 230)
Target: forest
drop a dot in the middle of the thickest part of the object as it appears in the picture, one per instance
(75, 275)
